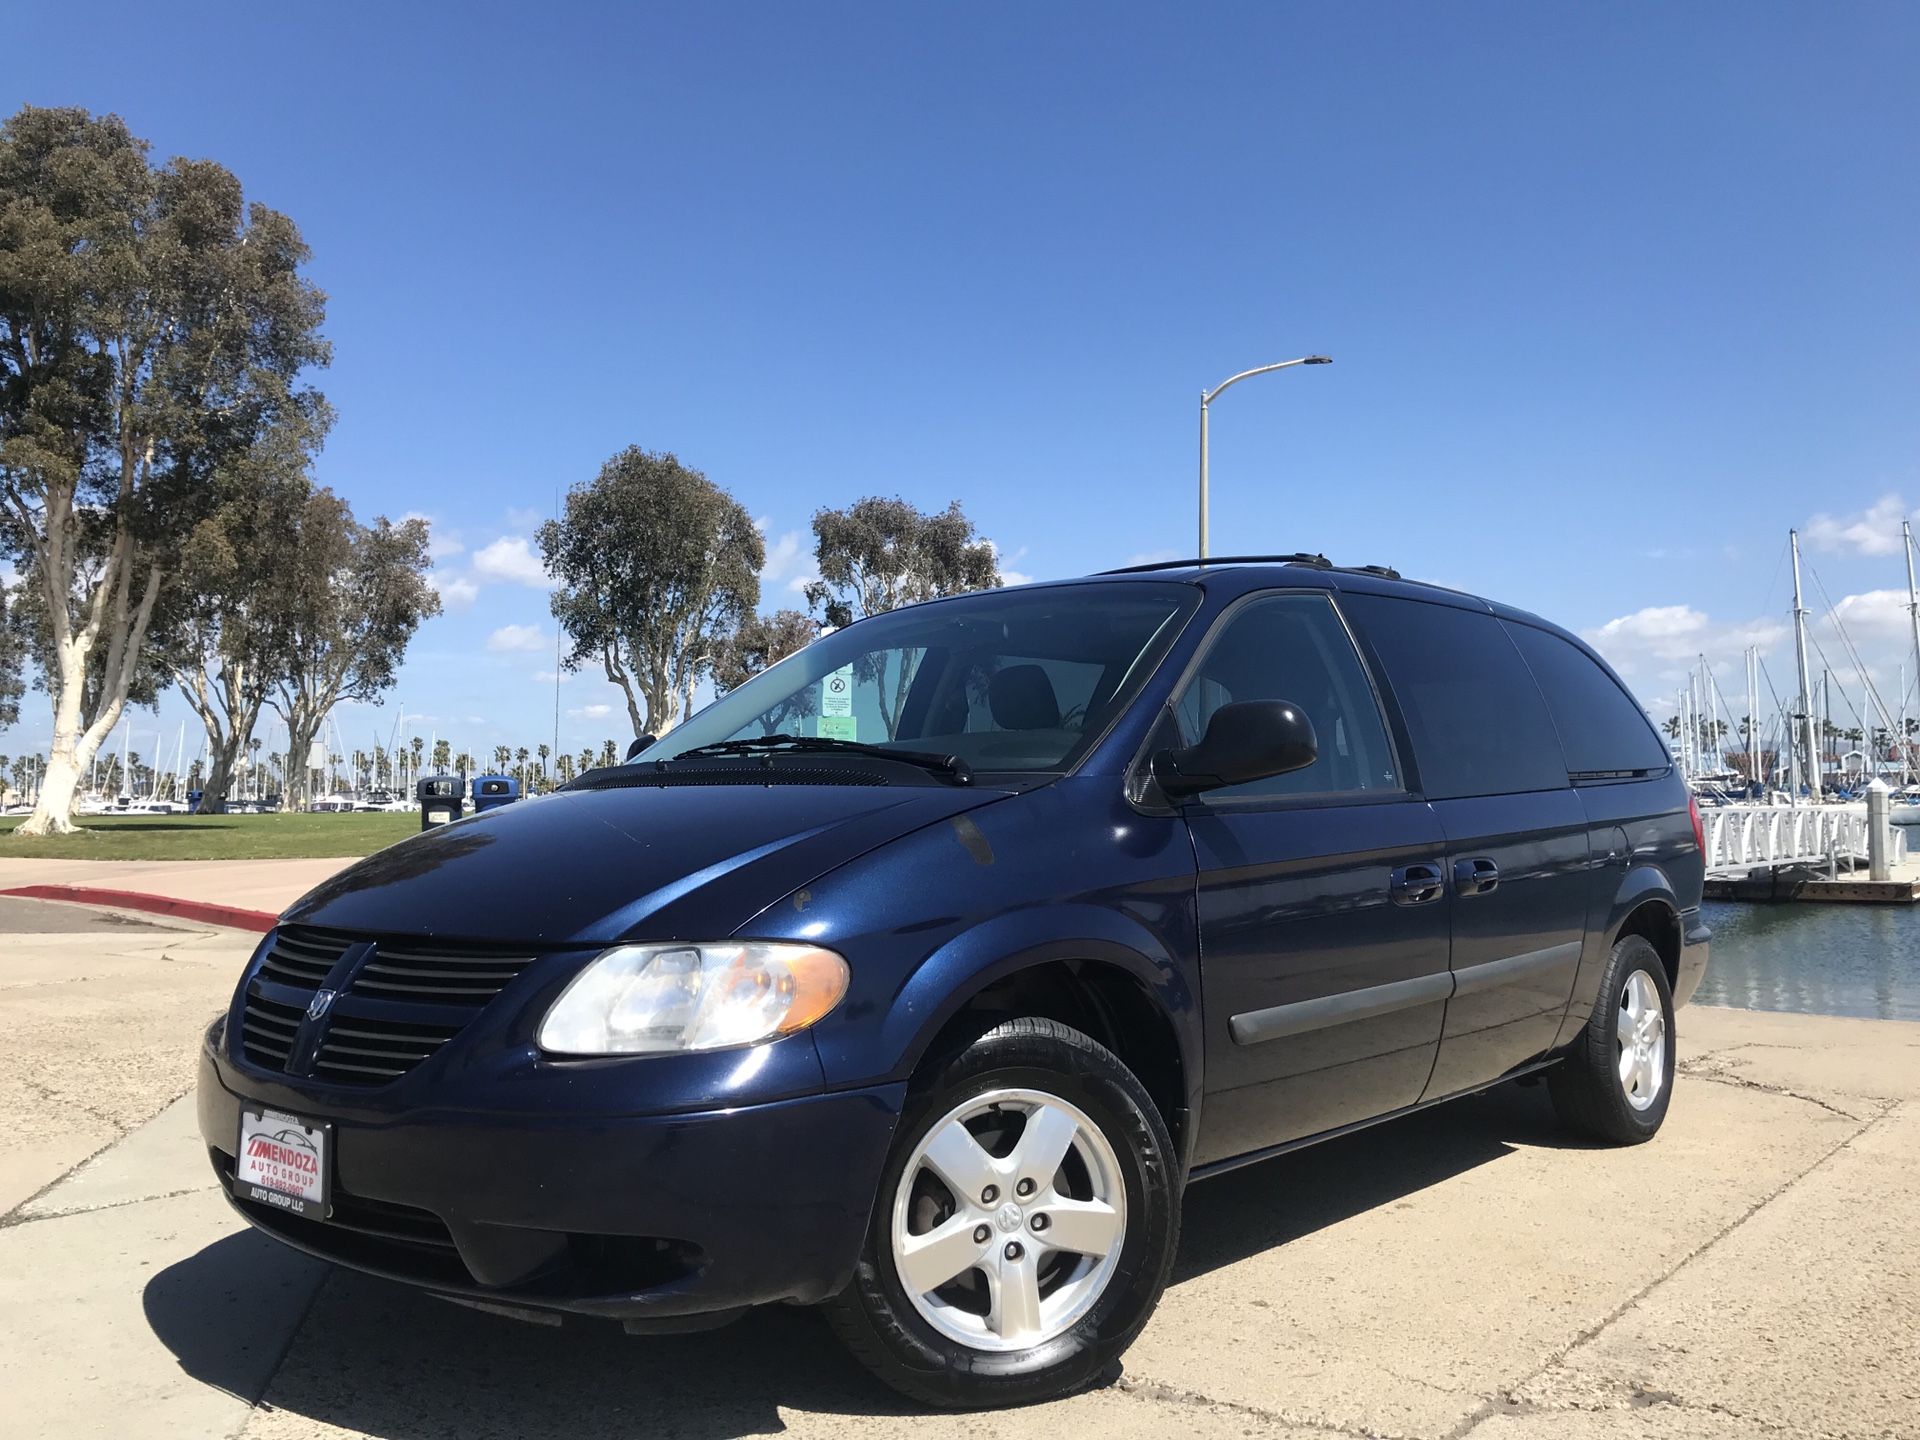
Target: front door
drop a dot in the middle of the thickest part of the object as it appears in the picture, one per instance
(1323, 908)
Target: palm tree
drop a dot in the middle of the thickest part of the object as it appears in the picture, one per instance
(443, 755)
(609, 755)
(543, 751)
(586, 761)
(520, 761)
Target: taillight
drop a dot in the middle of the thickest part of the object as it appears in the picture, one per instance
(1699, 829)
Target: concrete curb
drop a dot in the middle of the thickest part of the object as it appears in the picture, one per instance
(202, 911)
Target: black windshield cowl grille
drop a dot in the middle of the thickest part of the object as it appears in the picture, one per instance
(391, 1004)
(740, 772)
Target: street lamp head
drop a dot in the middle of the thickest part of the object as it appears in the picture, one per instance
(1318, 360)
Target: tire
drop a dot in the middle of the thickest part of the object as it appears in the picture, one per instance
(1601, 1089)
(985, 1339)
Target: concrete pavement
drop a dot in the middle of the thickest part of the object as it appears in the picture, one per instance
(267, 886)
(1753, 1271)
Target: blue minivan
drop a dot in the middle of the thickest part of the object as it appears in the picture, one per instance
(918, 976)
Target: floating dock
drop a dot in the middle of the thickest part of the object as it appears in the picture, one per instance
(1797, 882)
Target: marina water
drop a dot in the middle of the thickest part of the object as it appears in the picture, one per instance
(1815, 958)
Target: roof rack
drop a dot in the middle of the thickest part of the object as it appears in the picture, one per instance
(1318, 562)
(1312, 561)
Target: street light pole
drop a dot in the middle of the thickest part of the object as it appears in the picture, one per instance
(1207, 398)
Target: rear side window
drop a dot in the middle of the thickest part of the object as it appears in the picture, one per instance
(1478, 724)
(1602, 728)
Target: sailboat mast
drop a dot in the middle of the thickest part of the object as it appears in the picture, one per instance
(1812, 771)
(1913, 615)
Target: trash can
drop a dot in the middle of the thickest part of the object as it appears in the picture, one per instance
(439, 797)
(490, 792)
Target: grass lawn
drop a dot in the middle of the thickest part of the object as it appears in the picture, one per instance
(214, 837)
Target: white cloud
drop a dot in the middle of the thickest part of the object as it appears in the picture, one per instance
(1009, 575)
(1153, 557)
(591, 712)
(549, 677)
(511, 558)
(1876, 617)
(1873, 531)
(519, 519)
(1654, 647)
(789, 563)
(456, 591)
(517, 637)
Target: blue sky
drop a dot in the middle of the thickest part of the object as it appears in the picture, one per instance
(1615, 294)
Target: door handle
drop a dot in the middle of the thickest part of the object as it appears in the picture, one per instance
(1475, 877)
(1416, 884)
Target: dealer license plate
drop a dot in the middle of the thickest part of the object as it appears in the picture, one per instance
(282, 1162)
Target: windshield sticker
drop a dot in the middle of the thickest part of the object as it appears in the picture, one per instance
(839, 727)
(836, 696)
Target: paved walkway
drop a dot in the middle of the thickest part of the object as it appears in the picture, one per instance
(1754, 1272)
(267, 886)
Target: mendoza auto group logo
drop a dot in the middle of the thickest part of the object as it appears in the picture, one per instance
(285, 1161)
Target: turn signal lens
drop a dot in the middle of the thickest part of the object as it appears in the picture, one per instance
(664, 999)
(1699, 829)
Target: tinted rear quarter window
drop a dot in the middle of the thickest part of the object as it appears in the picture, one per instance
(1602, 728)
(1473, 711)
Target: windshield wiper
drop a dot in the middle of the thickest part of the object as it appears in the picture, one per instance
(951, 766)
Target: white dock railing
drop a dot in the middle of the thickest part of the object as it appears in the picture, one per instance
(1745, 837)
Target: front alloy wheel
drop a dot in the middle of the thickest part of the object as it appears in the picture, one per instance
(1025, 1226)
(1008, 1220)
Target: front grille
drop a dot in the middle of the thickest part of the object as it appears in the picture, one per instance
(415, 971)
(396, 1002)
(303, 957)
(369, 1051)
(268, 1031)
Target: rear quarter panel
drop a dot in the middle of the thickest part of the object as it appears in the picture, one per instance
(1662, 863)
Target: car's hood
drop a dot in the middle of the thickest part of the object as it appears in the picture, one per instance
(600, 866)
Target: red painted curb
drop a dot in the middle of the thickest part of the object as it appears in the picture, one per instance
(203, 911)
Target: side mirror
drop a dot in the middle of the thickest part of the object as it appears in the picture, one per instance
(1248, 740)
(640, 743)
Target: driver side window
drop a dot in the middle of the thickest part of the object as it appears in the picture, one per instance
(1295, 648)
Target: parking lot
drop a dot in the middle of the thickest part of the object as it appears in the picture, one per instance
(1755, 1269)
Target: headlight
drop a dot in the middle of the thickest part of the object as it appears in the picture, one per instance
(659, 999)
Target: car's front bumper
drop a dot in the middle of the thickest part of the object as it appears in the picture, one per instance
(631, 1217)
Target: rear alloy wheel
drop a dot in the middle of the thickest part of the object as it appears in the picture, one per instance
(1025, 1225)
(1616, 1084)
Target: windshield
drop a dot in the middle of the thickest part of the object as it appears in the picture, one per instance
(1004, 679)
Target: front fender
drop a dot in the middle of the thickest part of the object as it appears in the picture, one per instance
(966, 965)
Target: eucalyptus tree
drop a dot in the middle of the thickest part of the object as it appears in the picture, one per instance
(153, 326)
(879, 554)
(760, 641)
(655, 565)
(229, 643)
(13, 649)
(356, 595)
